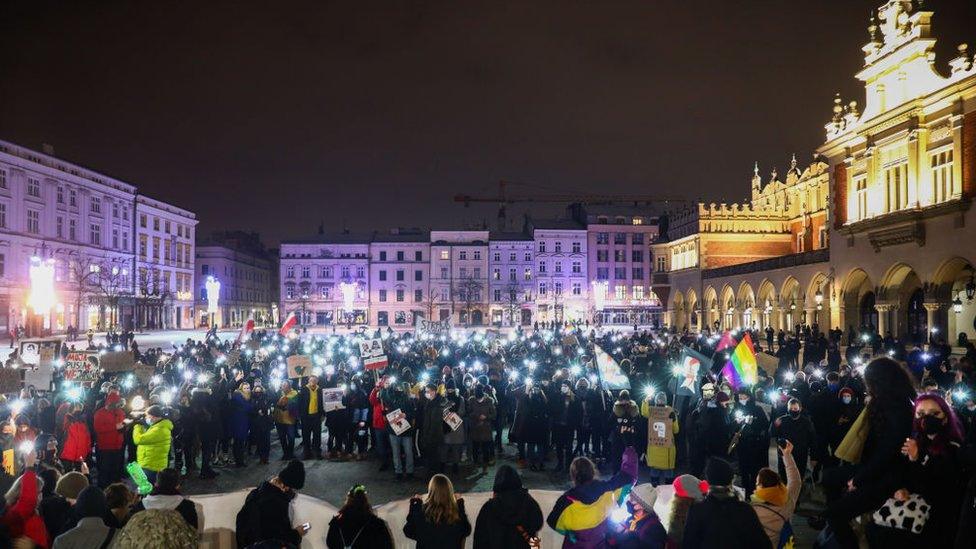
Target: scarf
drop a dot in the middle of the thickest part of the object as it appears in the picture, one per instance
(774, 495)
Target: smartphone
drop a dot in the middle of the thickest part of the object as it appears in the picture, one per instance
(306, 527)
(781, 442)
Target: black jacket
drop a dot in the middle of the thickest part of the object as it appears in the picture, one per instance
(303, 397)
(362, 532)
(436, 536)
(264, 516)
(501, 517)
(723, 523)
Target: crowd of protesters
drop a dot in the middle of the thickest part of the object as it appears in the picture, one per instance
(878, 431)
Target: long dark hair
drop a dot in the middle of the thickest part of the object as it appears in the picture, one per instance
(889, 384)
(356, 508)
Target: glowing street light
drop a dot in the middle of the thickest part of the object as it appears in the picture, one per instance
(41, 297)
(213, 297)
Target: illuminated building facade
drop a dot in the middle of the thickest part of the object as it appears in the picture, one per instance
(164, 296)
(241, 264)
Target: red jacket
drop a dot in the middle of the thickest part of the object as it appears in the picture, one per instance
(22, 519)
(77, 444)
(379, 420)
(107, 437)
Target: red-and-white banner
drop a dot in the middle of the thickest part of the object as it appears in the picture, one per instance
(246, 330)
(288, 325)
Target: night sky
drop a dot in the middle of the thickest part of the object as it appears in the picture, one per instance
(276, 116)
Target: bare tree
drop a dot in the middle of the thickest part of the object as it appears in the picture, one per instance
(150, 296)
(112, 286)
(513, 305)
(469, 292)
(431, 302)
(83, 273)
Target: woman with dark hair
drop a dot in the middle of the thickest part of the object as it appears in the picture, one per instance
(934, 470)
(856, 489)
(355, 525)
(511, 519)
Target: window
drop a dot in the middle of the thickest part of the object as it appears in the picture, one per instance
(577, 288)
(477, 254)
(399, 295)
(95, 205)
(559, 266)
(418, 296)
(602, 238)
(542, 247)
(558, 289)
(558, 247)
(620, 273)
(155, 223)
(577, 267)
(115, 210)
(861, 195)
(602, 273)
(542, 266)
(60, 194)
(60, 227)
(3, 215)
(400, 256)
(360, 271)
(463, 254)
(444, 254)
(496, 274)
(142, 220)
(33, 221)
(619, 256)
(512, 274)
(325, 292)
(636, 256)
(418, 256)
(382, 295)
(382, 256)
(497, 295)
(942, 179)
(383, 318)
(463, 272)
(72, 197)
(382, 275)
(620, 238)
(602, 256)
(822, 238)
(477, 272)
(418, 275)
(637, 221)
(638, 292)
(896, 187)
(528, 256)
(619, 292)
(660, 264)
(205, 269)
(511, 256)
(142, 254)
(637, 238)
(125, 241)
(542, 288)
(95, 234)
(115, 238)
(443, 272)
(33, 187)
(400, 317)
(72, 229)
(497, 256)
(289, 271)
(577, 247)
(637, 273)
(344, 271)
(528, 274)
(399, 275)
(799, 242)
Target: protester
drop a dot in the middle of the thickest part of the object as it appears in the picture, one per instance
(166, 495)
(688, 490)
(310, 409)
(722, 519)
(119, 499)
(265, 515)
(53, 507)
(775, 503)
(109, 439)
(153, 440)
(661, 456)
(511, 518)
(284, 419)
(356, 526)
(438, 520)
(481, 415)
(20, 516)
(641, 528)
(156, 529)
(91, 531)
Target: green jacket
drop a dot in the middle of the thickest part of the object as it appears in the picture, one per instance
(152, 444)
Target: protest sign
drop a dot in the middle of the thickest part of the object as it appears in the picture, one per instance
(299, 366)
(253, 345)
(117, 361)
(39, 352)
(452, 420)
(611, 375)
(143, 372)
(660, 431)
(398, 422)
(375, 363)
(768, 363)
(690, 368)
(82, 367)
(370, 348)
(332, 399)
(10, 381)
(232, 357)
(8, 461)
(422, 325)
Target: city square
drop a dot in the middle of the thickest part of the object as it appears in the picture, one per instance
(532, 275)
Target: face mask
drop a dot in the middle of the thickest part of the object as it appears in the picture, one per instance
(846, 400)
(794, 413)
(565, 390)
(743, 401)
(931, 425)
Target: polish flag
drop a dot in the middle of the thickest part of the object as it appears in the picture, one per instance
(288, 325)
(246, 330)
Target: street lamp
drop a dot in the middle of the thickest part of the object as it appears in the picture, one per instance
(213, 298)
(348, 291)
(818, 297)
(957, 305)
(41, 297)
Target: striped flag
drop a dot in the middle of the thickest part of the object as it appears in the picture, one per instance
(246, 330)
(742, 368)
(288, 324)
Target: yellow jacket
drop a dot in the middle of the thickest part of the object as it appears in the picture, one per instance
(660, 457)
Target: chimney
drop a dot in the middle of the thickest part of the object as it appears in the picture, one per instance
(47, 149)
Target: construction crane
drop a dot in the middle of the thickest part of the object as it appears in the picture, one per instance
(504, 198)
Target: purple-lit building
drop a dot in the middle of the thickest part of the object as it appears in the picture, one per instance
(511, 279)
(399, 278)
(325, 280)
(561, 271)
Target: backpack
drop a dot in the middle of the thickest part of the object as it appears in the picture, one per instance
(248, 521)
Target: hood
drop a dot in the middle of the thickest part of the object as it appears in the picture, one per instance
(163, 424)
(512, 506)
(112, 398)
(623, 408)
(162, 502)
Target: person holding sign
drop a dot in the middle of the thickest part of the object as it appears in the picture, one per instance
(400, 416)
(662, 426)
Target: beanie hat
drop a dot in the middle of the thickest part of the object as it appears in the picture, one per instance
(721, 397)
(718, 472)
(624, 395)
(506, 479)
(71, 484)
(645, 494)
(91, 503)
(293, 475)
(689, 486)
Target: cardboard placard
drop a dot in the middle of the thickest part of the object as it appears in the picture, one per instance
(422, 325)
(375, 363)
(398, 421)
(39, 352)
(10, 380)
(82, 367)
(371, 348)
(660, 430)
(452, 420)
(299, 366)
(332, 399)
(143, 372)
(232, 357)
(117, 361)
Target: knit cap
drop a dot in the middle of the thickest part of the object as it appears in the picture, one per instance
(689, 486)
(718, 472)
(645, 494)
(71, 484)
(293, 475)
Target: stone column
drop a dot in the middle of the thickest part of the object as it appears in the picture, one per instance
(931, 319)
(811, 315)
(883, 310)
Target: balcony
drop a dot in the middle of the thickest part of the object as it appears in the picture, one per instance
(782, 262)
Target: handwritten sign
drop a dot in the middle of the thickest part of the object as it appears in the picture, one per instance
(39, 352)
(232, 357)
(82, 367)
(452, 420)
(660, 430)
(299, 366)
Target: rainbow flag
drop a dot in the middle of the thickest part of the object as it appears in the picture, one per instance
(742, 368)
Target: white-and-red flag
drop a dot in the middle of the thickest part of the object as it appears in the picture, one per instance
(246, 330)
(288, 324)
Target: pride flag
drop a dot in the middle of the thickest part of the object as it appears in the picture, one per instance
(742, 368)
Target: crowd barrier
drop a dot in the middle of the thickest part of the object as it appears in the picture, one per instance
(218, 514)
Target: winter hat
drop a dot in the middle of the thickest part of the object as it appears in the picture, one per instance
(645, 494)
(506, 479)
(91, 503)
(689, 486)
(846, 391)
(624, 395)
(293, 475)
(71, 484)
(721, 397)
(718, 472)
